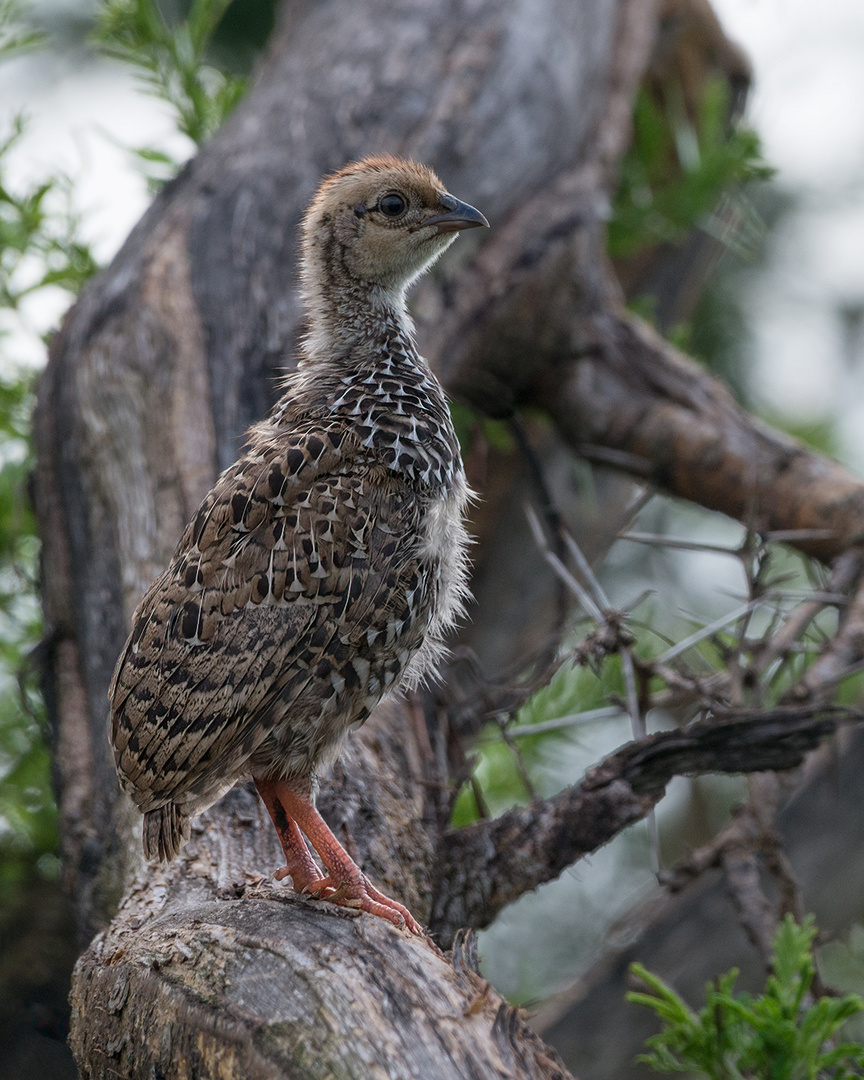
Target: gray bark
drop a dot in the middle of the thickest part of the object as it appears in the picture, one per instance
(523, 108)
(157, 371)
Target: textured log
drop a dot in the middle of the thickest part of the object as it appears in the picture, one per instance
(258, 988)
(682, 430)
(208, 966)
(522, 106)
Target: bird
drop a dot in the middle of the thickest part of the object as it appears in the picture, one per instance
(325, 568)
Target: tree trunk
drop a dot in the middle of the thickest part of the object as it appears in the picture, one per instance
(207, 968)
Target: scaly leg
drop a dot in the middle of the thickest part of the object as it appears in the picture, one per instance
(305, 875)
(346, 883)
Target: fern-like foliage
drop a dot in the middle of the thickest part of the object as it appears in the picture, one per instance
(781, 1035)
(172, 60)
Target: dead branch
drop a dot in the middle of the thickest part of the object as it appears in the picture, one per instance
(842, 655)
(486, 865)
(176, 349)
(749, 844)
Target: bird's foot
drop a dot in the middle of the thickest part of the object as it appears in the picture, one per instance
(299, 864)
(305, 880)
(345, 884)
(359, 893)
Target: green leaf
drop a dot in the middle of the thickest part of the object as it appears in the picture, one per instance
(173, 60)
(677, 170)
(775, 1036)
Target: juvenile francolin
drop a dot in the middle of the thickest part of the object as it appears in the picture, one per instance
(324, 568)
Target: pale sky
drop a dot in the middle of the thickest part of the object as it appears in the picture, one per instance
(808, 106)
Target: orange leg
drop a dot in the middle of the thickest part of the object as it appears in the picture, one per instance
(299, 863)
(346, 883)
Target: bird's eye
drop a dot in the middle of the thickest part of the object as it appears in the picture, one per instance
(392, 205)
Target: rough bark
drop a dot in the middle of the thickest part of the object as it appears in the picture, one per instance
(175, 350)
(256, 988)
(535, 328)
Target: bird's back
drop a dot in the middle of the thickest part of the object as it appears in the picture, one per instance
(311, 578)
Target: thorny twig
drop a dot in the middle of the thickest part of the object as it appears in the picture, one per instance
(550, 511)
(595, 601)
(751, 840)
(752, 664)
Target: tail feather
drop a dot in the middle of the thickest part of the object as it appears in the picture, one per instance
(166, 830)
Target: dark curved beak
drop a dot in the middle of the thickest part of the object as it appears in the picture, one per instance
(457, 215)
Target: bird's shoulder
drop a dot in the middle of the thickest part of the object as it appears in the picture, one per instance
(278, 468)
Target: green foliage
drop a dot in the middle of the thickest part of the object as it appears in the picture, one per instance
(27, 812)
(40, 250)
(15, 36)
(39, 235)
(244, 30)
(717, 333)
(572, 690)
(841, 965)
(39, 245)
(173, 62)
(677, 171)
(780, 1035)
(820, 434)
(498, 771)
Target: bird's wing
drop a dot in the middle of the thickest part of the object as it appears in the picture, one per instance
(286, 556)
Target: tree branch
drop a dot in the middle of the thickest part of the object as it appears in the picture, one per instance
(266, 988)
(537, 322)
(635, 394)
(843, 653)
(489, 864)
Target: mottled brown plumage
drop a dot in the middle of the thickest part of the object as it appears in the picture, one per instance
(324, 568)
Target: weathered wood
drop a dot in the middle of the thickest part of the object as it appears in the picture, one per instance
(164, 361)
(269, 986)
(523, 107)
(492, 863)
(212, 968)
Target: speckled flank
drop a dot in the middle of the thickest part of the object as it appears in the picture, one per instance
(325, 567)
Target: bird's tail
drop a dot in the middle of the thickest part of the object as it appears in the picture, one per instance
(166, 830)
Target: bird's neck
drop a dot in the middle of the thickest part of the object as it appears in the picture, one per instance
(349, 321)
(358, 361)
(359, 366)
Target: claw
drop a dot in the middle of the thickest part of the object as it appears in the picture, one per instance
(345, 883)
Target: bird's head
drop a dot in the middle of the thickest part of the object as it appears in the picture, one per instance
(380, 222)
